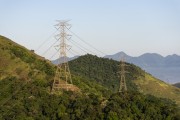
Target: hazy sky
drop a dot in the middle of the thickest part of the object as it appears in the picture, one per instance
(111, 26)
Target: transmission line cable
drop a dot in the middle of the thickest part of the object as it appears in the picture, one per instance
(72, 53)
(80, 46)
(77, 53)
(50, 47)
(47, 39)
(87, 43)
(54, 54)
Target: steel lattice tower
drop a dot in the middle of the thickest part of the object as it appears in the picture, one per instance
(62, 79)
(122, 72)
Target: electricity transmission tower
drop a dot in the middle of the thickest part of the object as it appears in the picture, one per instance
(62, 79)
(122, 72)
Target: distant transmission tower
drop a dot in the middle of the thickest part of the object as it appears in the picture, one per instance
(122, 72)
(62, 79)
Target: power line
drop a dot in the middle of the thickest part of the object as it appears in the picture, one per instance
(72, 53)
(47, 39)
(50, 47)
(81, 47)
(77, 53)
(87, 43)
(78, 47)
(53, 55)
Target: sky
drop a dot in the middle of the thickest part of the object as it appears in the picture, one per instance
(108, 26)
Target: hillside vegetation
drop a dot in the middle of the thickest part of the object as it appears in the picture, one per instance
(105, 72)
(26, 80)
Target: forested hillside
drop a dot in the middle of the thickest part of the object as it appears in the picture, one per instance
(25, 90)
(105, 72)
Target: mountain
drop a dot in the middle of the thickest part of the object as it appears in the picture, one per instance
(57, 61)
(165, 68)
(26, 80)
(172, 61)
(177, 85)
(119, 55)
(149, 60)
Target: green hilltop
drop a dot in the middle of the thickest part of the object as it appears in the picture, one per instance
(26, 80)
(105, 72)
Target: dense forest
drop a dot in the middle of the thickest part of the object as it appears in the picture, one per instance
(105, 71)
(38, 104)
(26, 81)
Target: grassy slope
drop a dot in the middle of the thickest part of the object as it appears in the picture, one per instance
(16, 60)
(9, 65)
